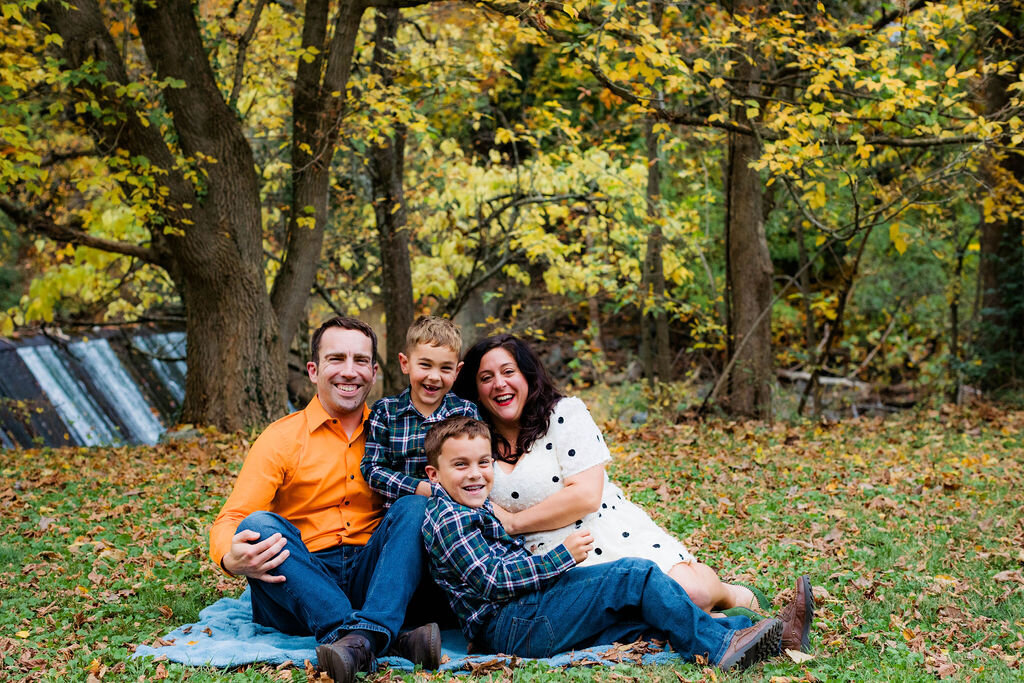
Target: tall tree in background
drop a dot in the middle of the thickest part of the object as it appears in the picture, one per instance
(386, 165)
(1000, 342)
(748, 261)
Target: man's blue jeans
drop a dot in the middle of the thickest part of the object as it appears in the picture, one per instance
(333, 591)
(619, 602)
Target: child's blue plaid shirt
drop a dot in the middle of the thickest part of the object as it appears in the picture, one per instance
(478, 564)
(394, 460)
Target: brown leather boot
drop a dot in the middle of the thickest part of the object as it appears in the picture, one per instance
(346, 657)
(751, 645)
(797, 617)
(420, 646)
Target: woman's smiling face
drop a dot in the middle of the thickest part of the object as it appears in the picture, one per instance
(501, 387)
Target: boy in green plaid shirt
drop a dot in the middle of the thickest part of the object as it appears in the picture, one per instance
(393, 462)
(511, 601)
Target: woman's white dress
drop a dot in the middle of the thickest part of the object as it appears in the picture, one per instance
(572, 444)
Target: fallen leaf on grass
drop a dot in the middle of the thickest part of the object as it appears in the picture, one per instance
(166, 611)
(798, 656)
(161, 671)
(1009, 575)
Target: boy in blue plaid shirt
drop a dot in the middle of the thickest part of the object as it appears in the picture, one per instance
(511, 601)
(393, 462)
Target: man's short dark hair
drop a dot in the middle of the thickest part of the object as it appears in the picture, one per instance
(345, 323)
(452, 428)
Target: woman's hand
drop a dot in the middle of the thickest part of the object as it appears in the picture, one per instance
(506, 518)
(579, 544)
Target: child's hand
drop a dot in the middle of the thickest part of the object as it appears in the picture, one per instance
(579, 544)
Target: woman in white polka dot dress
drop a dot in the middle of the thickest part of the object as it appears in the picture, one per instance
(550, 479)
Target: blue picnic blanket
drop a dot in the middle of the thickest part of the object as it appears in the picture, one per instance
(226, 636)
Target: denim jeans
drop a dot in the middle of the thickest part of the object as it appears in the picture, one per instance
(606, 603)
(336, 590)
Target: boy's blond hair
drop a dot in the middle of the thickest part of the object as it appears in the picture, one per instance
(452, 428)
(435, 331)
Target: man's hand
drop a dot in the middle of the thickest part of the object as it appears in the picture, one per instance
(579, 544)
(255, 559)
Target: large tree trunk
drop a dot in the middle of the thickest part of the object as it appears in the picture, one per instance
(749, 263)
(387, 162)
(213, 248)
(1000, 339)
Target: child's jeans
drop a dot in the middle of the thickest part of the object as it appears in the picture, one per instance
(617, 602)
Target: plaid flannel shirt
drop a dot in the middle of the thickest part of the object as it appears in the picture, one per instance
(394, 459)
(475, 561)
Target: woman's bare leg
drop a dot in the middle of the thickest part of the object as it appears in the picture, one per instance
(709, 592)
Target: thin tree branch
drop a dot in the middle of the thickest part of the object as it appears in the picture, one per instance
(42, 225)
(243, 46)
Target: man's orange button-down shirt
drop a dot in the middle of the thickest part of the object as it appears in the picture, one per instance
(305, 468)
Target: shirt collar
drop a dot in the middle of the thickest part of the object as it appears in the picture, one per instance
(316, 415)
(403, 402)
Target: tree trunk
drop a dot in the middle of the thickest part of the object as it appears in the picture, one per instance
(749, 265)
(1000, 341)
(387, 161)
(213, 247)
(654, 345)
(317, 106)
(655, 353)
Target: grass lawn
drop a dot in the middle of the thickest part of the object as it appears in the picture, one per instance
(910, 528)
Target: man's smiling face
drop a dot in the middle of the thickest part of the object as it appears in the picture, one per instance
(345, 371)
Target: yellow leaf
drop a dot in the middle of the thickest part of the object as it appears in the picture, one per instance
(22, 634)
(898, 241)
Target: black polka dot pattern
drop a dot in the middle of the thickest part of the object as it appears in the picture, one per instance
(549, 445)
(554, 479)
(625, 534)
(561, 420)
(515, 494)
(657, 545)
(572, 452)
(597, 551)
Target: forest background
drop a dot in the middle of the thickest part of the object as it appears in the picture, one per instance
(727, 194)
(719, 191)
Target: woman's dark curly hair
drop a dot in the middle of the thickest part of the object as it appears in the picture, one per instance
(540, 400)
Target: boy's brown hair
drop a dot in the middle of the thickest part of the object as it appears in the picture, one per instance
(435, 331)
(452, 428)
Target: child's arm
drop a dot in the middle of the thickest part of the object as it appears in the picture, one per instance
(380, 464)
(495, 569)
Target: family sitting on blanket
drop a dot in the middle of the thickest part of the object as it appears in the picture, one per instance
(322, 523)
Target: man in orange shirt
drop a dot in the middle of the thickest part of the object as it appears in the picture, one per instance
(320, 554)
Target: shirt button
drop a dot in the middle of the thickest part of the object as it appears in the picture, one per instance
(348, 523)
(351, 476)
(347, 502)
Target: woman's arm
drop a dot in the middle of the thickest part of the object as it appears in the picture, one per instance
(580, 497)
